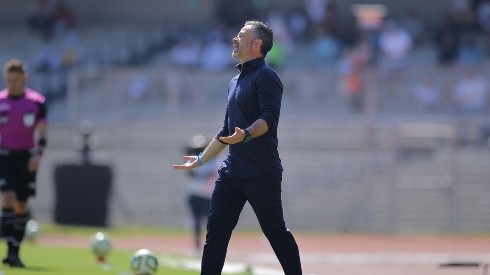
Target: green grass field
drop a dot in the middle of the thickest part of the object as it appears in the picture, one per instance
(44, 260)
(48, 260)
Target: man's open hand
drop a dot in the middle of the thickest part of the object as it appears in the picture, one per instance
(237, 137)
(190, 164)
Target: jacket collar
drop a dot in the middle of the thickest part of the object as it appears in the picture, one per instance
(251, 64)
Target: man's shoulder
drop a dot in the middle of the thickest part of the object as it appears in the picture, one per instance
(266, 71)
(3, 94)
(35, 96)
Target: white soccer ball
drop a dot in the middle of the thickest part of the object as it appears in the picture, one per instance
(101, 244)
(144, 262)
(32, 230)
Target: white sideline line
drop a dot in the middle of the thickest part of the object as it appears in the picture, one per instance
(375, 258)
(229, 267)
(256, 259)
(108, 268)
(266, 271)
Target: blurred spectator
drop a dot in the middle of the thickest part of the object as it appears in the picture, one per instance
(483, 11)
(332, 22)
(469, 52)
(325, 49)
(297, 24)
(413, 24)
(283, 43)
(351, 82)
(447, 41)
(363, 51)
(395, 45)
(41, 17)
(216, 55)
(64, 18)
(281, 30)
(72, 50)
(351, 31)
(462, 14)
(350, 68)
(368, 29)
(470, 92)
(426, 94)
(316, 9)
(187, 52)
(48, 58)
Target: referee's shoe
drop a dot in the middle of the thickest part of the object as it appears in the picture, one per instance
(12, 258)
(13, 261)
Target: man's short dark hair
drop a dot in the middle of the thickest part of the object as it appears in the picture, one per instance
(264, 33)
(14, 66)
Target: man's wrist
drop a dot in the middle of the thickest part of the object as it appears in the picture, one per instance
(217, 138)
(41, 143)
(199, 159)
(247, 136)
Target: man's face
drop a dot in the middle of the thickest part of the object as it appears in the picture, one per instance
(15, 82)
(243, 44)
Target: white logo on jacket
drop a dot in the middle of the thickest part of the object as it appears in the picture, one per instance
(4, 107)
(29, 119)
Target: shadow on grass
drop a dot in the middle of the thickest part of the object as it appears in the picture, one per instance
(32, 269)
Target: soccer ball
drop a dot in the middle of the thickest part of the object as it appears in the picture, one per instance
(32, 230)
(144, 262)
(101, 245)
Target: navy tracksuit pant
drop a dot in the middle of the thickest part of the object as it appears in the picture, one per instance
(264, 195)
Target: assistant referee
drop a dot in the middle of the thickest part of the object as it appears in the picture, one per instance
(22, 120)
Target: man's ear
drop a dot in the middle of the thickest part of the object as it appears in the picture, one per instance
(257, 43)
(26, 76)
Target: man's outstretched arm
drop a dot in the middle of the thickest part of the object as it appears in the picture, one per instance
(258, 128)
(212, 150)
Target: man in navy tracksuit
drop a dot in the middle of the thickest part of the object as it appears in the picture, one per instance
(252, 171)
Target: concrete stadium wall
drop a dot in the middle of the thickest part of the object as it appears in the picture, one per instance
(332, 181)
(404, 175)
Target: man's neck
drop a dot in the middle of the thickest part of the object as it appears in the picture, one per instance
(250, 58)
(16, 94)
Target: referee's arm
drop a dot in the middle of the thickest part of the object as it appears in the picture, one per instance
(42, 133)
(42, 130)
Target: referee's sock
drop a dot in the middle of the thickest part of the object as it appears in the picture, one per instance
(8, 220)
(20, 227)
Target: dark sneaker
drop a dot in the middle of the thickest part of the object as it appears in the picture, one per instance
(13, 261)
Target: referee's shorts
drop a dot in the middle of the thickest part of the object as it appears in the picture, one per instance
(15, 174)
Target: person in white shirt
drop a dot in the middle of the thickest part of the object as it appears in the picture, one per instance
(470, 92)
(395, 45)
